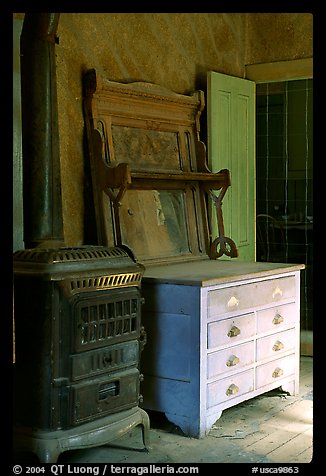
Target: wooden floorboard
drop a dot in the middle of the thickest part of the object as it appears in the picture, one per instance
(291, 448)
(284, 434)
(271, 428)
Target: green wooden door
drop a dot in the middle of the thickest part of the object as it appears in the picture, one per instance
(231, 145)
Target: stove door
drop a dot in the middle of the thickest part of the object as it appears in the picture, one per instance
(104, 395)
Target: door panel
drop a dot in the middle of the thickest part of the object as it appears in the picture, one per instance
(231, 145)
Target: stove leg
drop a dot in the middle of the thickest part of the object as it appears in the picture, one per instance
(47, 450)
(48, 454)
(48, 445)
(145, 427)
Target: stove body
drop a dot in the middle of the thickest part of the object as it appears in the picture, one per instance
(78, 338)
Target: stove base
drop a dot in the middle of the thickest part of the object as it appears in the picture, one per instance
(48, 445)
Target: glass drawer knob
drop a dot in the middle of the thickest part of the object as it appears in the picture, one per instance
(232, 390)
(277, 372)
(234, 331)
(278, 346)
(278, 319)
(233, 360)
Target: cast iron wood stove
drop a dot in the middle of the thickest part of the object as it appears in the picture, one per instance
(78, 337)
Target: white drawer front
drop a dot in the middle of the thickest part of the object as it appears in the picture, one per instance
(228, 388)
(275, 344)
(247, 296)
(276, 317)
(230, 359)
(230, 331)
(275, 370)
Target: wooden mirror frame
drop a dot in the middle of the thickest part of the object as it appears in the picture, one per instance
(145, 155)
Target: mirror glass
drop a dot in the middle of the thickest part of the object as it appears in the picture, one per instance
(153, 222)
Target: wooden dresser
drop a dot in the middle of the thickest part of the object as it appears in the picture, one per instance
(218, 333)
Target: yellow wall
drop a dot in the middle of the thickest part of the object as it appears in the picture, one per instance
(174, 50)
(279, 37)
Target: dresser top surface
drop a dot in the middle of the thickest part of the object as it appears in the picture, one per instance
(206, 273)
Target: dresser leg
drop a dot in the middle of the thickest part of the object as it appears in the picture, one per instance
(292, 388)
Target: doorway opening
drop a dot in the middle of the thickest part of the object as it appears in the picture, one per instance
(284, 180)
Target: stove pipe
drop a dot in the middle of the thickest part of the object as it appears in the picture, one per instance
(43, 222)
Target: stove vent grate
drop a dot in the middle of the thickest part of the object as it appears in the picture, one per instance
(106, 282)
